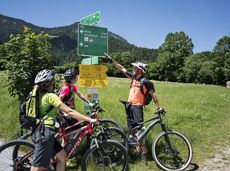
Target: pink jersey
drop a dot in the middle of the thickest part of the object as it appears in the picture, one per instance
(67, 96)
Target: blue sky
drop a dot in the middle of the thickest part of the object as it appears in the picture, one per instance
(144, 23)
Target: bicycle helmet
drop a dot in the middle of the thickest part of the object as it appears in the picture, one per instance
(141, 66)
(69, 75)
(44, 78)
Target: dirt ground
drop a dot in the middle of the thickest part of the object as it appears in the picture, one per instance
(219, 162)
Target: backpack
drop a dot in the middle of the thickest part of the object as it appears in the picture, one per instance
(148, 97)
(29, 116)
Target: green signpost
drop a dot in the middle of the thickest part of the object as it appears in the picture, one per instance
(91, 19)
(92, 40)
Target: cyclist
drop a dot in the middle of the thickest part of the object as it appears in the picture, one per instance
(66, 94)
(135, 105)
(46, 146)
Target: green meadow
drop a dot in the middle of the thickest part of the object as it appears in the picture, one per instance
(201, 112)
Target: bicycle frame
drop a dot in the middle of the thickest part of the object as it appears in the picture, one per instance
(83, 131)
(156, 120)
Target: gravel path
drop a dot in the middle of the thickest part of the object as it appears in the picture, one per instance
(219, 162)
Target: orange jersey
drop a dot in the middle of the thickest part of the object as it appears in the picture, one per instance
(135, 95)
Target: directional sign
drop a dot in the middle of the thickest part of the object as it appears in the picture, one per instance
(93, 68)
(90, 60)
(91, 19)
(92, 83)
(92, 40)
(92, 76)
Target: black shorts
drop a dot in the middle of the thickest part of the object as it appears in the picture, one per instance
(46, 146)
(134, 116)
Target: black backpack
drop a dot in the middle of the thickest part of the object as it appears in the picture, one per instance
(148, 97)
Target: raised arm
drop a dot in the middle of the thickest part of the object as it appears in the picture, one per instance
(116, 64)
(119, 66)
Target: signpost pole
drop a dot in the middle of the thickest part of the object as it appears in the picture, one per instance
(92, 42)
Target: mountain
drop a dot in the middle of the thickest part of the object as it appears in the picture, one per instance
(64, 39)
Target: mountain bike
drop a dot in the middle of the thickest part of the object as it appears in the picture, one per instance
(93, 113)
(103, 154)
(103, 131)
(171, 150)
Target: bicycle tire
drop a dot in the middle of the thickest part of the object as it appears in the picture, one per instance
(113, 133)
(172, 155)
(23, 137)
(105, 156)
(110, 123)
(23, 161)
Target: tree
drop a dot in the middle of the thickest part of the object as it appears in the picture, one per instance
(222, 46)
(222, 57)
(171, 56)
(192, 66)
(27, 54)
(3, 58)
(123, 58)
(207, 72)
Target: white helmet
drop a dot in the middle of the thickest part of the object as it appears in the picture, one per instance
(141, 66)
(44, 78)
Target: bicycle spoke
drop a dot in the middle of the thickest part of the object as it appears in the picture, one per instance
(108, 156)
(21, 162)
(172, 151)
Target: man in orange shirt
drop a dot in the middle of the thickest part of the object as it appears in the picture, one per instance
(136, 99)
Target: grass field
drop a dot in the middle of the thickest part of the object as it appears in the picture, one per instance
(201, 112)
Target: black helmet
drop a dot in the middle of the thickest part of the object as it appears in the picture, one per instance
(69, 75)
(44, 78)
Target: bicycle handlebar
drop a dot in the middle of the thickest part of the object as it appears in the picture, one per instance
(96, 109)
(160, 111)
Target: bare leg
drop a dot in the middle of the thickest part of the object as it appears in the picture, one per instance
(61, 160)
(37, 169)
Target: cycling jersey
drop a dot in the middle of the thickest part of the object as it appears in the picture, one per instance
(47, 100)
(136, 97)
(67, 95)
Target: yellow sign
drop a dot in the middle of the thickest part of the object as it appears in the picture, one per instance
(92, 68)
(92, 83)
(92, 76)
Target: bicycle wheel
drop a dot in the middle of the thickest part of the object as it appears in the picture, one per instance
(112, 133)
(16, 148)
(110, 123)
(172, 151)
(105, 156)
(22, 162)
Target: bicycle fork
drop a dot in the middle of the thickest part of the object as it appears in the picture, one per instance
(169, 147)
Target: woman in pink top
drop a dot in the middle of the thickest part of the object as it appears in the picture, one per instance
(66, 94)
